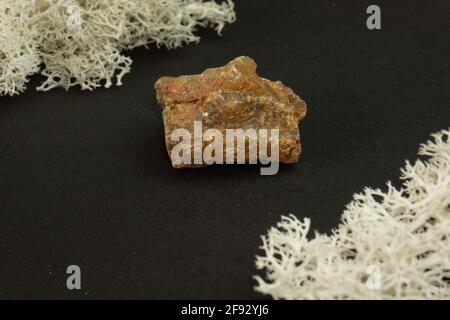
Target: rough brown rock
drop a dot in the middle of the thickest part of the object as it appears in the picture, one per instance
(231, 97)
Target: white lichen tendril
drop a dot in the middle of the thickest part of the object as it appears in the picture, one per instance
(82, 42)
(404, 234)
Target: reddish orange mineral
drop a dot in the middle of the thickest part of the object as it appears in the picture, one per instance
(231, 97)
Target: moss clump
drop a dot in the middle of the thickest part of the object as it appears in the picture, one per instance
(389, 245)
(82, 42)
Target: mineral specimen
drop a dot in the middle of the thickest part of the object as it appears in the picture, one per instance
(230, 97)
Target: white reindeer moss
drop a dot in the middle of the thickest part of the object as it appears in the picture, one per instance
(81, 42)
(389, 245)
(19, 57)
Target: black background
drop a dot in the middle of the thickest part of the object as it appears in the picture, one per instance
(85, 178)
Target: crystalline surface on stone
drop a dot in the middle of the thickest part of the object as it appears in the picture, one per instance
(232, 97)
